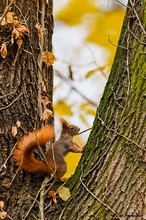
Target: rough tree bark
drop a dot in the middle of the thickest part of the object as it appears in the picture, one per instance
(24, 78)
(110, 181)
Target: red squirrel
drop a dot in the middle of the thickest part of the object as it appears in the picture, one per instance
(56, 164)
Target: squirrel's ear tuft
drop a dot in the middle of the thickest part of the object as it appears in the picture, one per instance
(64, 123)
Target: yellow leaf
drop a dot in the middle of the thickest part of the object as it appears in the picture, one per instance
(91, 112)
(4, 50)
(90, 73)
(94, 71)
(62, 108)
(72, 166)
(76, 10)
(87, 107)
(107, 23)
(64, 193)
(83, 119)
(48, 58)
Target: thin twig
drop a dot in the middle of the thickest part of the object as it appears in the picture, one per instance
(84, 131)
(32, 204)
(115, 45)
(140, 24)
(9, 217)
(53, 172)
(122, 4)
(3, 96)
(16, 172)
(46, 192)
(40, 57)
(11, 102)
(43, 194)
(35, 199)
(76, 90)
(42, 153)
(83, 96)
(128, 139)
(141, 42)
(105, 205)
(34, 216)
(42, 198)
(127, 63)
(5, 12)
(4, 164)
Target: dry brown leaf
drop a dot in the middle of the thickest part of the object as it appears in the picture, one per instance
(48, 58)
(10, 17)
(18, 124)
(19, 42)
(46, 100)
(1, 205)
(22, 29)
(53, 195)
(40, 31)
(4, 22)
(3, 50)
(14, 131)
(16, 22)
(3, 215)
(44, 89)
(47, 114)
(64, 193)
(16, 34)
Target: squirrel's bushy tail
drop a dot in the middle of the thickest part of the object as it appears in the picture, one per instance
(24, 156)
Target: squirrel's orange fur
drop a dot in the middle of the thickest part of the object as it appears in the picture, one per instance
(56, 164)
(23, 155)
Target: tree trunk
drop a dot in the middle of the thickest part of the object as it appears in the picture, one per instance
(110, 181)
(24, 80)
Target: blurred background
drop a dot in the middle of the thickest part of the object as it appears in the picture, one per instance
(84, 43)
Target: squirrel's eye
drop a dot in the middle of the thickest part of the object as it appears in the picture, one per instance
(72, 128)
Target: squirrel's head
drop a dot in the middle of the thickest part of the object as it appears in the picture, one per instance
(68, 128)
